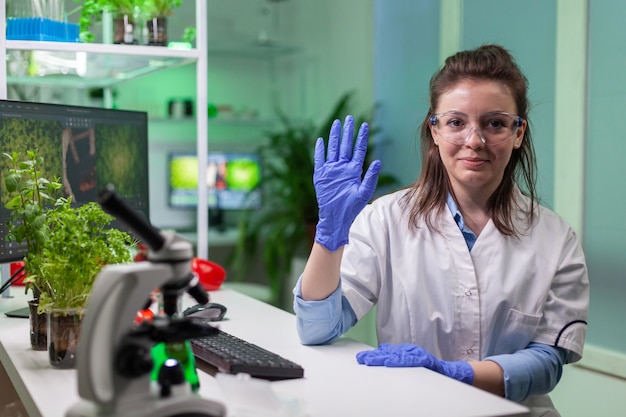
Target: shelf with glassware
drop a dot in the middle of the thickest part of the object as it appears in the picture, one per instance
(87, 65)
(104, 65)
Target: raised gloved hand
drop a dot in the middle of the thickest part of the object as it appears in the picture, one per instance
(341, 194)
(409, 355)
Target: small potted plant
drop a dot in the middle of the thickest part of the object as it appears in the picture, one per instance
(162, 8)
(131, 18)
(157, 12)
(122, 11)
(30, 197)
(66, 248)
(79, 244)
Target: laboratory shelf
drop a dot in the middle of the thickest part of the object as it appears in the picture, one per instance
(90, 65)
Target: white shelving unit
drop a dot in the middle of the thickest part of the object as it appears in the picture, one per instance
(104, 65)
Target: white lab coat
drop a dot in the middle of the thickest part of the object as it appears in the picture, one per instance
(460, 305)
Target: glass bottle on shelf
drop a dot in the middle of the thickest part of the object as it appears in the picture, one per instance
(269, 22)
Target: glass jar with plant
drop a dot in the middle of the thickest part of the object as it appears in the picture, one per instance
(30, 197)
(284, 228)
(79, 244)
(134, 21)
(161, 8)
(123, 13)
(157, 12)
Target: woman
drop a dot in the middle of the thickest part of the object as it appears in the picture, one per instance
(472, 278)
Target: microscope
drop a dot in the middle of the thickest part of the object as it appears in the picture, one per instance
(114, 358)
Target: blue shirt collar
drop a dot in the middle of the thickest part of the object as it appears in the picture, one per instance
(470, 237)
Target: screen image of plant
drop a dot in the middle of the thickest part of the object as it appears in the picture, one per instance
(114, 157)
(121, 159)
(20, 135)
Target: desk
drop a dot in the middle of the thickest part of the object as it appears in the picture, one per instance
(334, 383)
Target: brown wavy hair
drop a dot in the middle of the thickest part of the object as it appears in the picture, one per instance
(426, 198)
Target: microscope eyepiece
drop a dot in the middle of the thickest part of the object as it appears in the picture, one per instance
(118, 208)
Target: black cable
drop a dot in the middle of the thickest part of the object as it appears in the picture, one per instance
(10, 281)
(14, 278)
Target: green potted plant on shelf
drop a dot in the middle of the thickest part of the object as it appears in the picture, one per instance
(30, 197)
(91, 11)
(130, 18)
(157, 13)
(161, 8)
(284, 228)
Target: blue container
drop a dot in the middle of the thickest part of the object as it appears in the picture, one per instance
(41, 29)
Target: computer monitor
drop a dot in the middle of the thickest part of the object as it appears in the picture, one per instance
(85, 147)
(233, 181)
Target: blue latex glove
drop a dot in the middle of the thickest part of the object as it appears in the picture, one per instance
(409, 355)
(341, 194)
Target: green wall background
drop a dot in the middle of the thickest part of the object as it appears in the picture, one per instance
(529, 33)
(605, 171)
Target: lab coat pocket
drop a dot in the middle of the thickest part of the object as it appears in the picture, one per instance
(517, 331)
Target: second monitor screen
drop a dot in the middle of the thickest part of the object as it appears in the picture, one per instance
(233, 180)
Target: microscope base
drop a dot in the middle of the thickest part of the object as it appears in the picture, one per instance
(181, 406)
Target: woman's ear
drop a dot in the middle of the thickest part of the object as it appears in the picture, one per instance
(519, 137)
(433, 134)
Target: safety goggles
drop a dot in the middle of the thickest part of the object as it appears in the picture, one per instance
(493, 128)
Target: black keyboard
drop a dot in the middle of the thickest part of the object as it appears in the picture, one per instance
(233, 355)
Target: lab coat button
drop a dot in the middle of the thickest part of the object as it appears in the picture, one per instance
(469, 351)
(468, 293)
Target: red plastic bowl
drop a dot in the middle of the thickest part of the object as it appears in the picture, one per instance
(210, 274)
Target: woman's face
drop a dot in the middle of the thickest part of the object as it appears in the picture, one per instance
(473, 167)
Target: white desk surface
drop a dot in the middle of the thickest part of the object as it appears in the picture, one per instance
(334, 384)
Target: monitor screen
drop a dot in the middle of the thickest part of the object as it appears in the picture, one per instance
(233, 180)
(86, 148)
